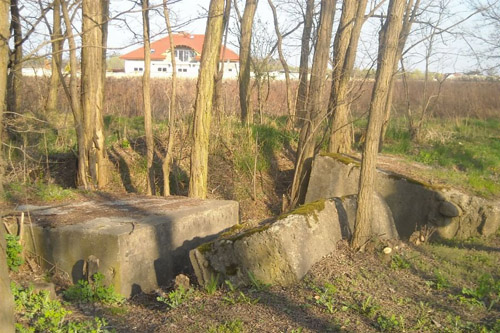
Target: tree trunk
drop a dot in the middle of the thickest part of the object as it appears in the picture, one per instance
(14, 95)
(346, 44)
(387, 56)
(4, 63)
(167, 159)
(146, 98)
(300, 104)
(204, 98)
(289, 100)
(75, 102)
(409, 18)
(92, 89)
(307, 139)
(57, 44)
(245, 62)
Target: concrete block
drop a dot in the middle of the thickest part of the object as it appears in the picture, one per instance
(6, 299)
(141, 242)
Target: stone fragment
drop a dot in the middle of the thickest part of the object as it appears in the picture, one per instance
(47, 286)
(182, 280)
(6, 299)
(90, 267)
(449, 209)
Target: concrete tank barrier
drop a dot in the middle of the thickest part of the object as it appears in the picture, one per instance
(413, 203)
(282, 251)
(140, 242)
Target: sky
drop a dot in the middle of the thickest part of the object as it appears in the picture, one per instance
(451, 52)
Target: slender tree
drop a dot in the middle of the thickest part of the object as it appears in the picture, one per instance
(57, 43)
(167, 159)
(344, 55)
(146, 99)
(94, 27)
(305, 45)
(245, 60)
(4, 63)
(204, 98)
(314, 116)
(14, 95)
(387, 56)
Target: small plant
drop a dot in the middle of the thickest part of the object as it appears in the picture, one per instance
(325, 296)
(95, 291)
(257, 284)
(441, 281)
(237, 296)
(369, 307)
(14, 251)
(399, 262)
(176, 297)
(390, 324)
(233, 326)
(486, 293)
(211, 285)
(36, 312)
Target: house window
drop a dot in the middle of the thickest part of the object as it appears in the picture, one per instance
(152, 50)
(164, 69)
(183, 55)
(184, 70)
(159, 69)
(230, 69)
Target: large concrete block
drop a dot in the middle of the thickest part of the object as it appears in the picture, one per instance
(413, 203)
(141, 242)
(6, 300)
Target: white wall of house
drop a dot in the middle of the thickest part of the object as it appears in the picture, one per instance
(184, 69)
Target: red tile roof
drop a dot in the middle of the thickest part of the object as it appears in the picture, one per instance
(161, 46)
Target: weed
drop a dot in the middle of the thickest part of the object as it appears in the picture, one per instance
(325, 297)
(257, 284)
(233, 326)
(390, 324)
(487, 292)
(369, 307)
(441, 280)
(38, 313)
(14, 251)
(176, 297)
(399, 262)
(237, 296)
(95, 291)
(52, 192)
(211, 285)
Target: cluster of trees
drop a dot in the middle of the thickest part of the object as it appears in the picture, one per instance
(305, 106)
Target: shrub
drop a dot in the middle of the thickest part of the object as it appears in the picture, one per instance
(14, 250)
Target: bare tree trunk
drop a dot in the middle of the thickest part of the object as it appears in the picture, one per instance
(167, 159)
(146, 98)
(289, 97)
(204, 98)
(346, 44)
(307, 142)
(74, 99)
(245, 62)
(218, 101)
(14, 95)
(387, 56)
(57, 43)
(300, 104)
(4, 63)
(92, 88)
(412, 6)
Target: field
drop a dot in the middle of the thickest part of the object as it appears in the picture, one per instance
(442, 286)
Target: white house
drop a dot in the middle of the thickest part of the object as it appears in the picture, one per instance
(188, 50)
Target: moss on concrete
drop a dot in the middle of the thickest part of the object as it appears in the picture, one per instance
(249, 232)
(429, 186)
(231, 270)
(232, 231)
(341, 158)
(205, 247)
(310, 209)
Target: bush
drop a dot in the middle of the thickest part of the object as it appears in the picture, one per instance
(14, 250)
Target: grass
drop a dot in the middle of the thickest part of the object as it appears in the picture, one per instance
(467, 151)
(39, 191)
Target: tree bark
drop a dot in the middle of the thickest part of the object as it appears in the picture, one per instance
(300, 104)
(204, 98)
(146, 99)
(4, 63)
(57, 44)
(307, 142)
(346, 44)
(245, 61)
(167, 159)
(387, 56)
(14, 95)
(92, 88)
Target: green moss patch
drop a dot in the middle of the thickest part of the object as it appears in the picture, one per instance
(342, 158)
(310, 209)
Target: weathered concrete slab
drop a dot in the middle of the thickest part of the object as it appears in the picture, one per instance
(281, 252)
(141, 242)
(412, 203)
(6, 299)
